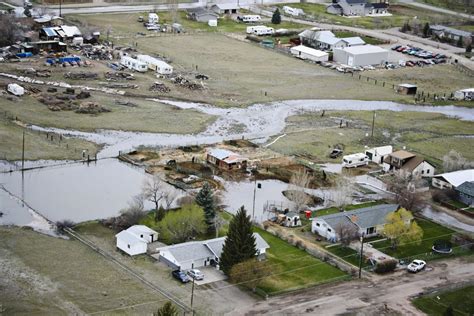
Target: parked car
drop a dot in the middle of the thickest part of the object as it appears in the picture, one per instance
(416, 265)
(396, 47)
(196, 274)
(180, 276)
(336, 152)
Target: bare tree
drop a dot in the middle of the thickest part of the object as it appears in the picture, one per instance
(343, 191)
(298, 182)
(455, 161)
(219, 222)
(10, 31)
(169, 196)
(153, 190)
(404, 185)
(347, 232)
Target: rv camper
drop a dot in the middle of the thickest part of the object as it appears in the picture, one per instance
(355, 160)
(153, 18)
(155, 64)
(251, 29)
(250, 18)
(133, 64)
(264, 31)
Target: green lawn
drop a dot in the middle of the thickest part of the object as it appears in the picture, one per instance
(431, 233)
(461, 300)
(368, 39)
(296, 268)
(347, 254)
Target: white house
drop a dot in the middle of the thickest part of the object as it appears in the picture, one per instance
(327, 40)
(451, 180)
(377, 154)
(195, 254)
(369, 221)
(156, 64)
(135, 239)
(361, 55)
(308, 53)
(411, 163)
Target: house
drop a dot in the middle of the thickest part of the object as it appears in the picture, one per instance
(63, 32)
(411, 163)
(134, 240)
(357, 8)
(464, 94)
(196, 254)
(201, 14)
(225, 8)
(156, 64)
(225, 159)
(308, 53)
(442, 31)
(407, 88)
(368, 221)
(451, 180)
(49, 46)
(466, 193)
(326, 40)
(377, 154)
(362, 55)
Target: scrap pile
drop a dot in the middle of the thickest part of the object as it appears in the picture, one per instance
(114, 76)
(90, 108)
(118, 85)
(159, 87)
(66, 101)
(31, 71)
(97, 52)
(180, 80)
(82, 75)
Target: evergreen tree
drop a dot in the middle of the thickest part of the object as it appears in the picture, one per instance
(276, 17)
(426, 30)
(167, 310)
(460, 42)
(240, 244)
(205, 199)
(469, 48)
(159, 214)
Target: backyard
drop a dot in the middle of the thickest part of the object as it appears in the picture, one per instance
(461, 300)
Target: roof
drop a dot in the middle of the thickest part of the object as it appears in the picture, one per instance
(335, 5)
(407, 85)
(355, 1)
(364, 49)
(141, 229)
(379, 5)
(356, 40)
(466, 90)
(466, 188)
(402, 154)
(220, 154)
(456, 178)
(412, 163)
(364, 217)
(309, 50)
(226, 6)
(128, 237)
(292, 214)
(382, 150)
(70, 31)
(50, 31)
(316, 34)
(201, 11)
(450, 30)
(150, 59)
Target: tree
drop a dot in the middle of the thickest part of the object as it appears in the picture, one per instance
(129, 216)
(250, 272)
(469, 48)
(342, 193)
(276, 17)
(153, 191)
(426, 30)
(454, 161)
(449, 311)
(401, 229)
(404, 186)
(460, 42)
(298, 182)
(10, 31)
(205, 199)
(168, 309)
(347, 233)
(240, 244)
(182, 225)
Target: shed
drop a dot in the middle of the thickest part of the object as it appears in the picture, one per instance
(201, 14)
(406, 88)
(292, 219)
(156, 64)
(377, 154)
(225, 159)
(466, 193)
(134, 240)
(362, 55)
(309, 53)
(225, 8)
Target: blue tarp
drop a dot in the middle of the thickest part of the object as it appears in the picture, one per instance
(69, 59)
(24, 55)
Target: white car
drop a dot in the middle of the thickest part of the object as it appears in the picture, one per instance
(196, 274)
(416, 265)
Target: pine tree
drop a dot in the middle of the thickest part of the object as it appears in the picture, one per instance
(426, 30)
(276, 17)
(167, 310)
(160, 214)
(469, 48)
(240, 244)
(205, 199)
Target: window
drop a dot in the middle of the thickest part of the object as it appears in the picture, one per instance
(428, 171)
(317, 224)
(141, 236)
(422, 171)
(128, 246)
(329, 230)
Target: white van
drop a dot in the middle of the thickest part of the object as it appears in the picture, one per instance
(132, 63)
(153, 18)
(250, 18)
(264, 31)
(251, 29)
(355, 160)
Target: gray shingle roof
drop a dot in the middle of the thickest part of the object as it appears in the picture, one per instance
(466, 188)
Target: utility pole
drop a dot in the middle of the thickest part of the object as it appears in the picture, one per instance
(60, 12)
(254, 194)
(23, 153)
(192, 297)
(373, 124)
(361, 255)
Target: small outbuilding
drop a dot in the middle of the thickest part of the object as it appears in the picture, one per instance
(377, 154)
(16, 89)
(464, 94)
(466, 193)
(225, 159)
(225, 8)
(292, 219)
(407, 88)
(361, 55)
(134, 240)
(308, 53)
(201, 14)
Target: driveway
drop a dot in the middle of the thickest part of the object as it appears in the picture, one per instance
(388, 295)
(211, 275)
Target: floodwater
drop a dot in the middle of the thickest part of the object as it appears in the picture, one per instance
(77, 192)
(259, 121)
(446, 219)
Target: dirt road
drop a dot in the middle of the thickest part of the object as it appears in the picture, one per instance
(381, 295)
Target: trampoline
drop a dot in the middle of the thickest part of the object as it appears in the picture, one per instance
(442, 246)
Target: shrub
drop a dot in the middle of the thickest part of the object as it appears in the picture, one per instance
(61, 225)
(385, 266)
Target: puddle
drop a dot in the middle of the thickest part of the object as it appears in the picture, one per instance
(446, 219)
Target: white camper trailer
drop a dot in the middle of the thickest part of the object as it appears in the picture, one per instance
(16, 89)
(133, 64)
(378, 153)
(264, 31)
(292, 11)
(250, 18)
(355, 160)
(153, 18)
(251, 29)
(155, 64)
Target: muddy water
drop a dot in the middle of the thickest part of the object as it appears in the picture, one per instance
(259, 121)
(446, 219)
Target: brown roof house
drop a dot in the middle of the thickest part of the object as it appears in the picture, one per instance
(409, 162)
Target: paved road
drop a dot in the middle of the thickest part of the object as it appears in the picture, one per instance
(380, 295)
(437, 9)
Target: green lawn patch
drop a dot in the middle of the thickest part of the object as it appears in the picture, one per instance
(461, 300)
(457, 204)
(296, 269)
(347, 254)
(368, 39)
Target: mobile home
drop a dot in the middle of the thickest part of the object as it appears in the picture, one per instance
(250, 18)
(355, 160)
(309, 53)
(132, 63)
(155, 64)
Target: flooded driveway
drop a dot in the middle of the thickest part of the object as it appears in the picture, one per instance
(446, 219)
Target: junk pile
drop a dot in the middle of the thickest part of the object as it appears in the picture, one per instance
(97, 52)
(81, 75)
(180, 80)
(66, 101)
(31, 71)
(91, 108)
(118, 85)
(159, 87)
(114, 76)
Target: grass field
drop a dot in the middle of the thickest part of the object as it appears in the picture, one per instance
(297, 269)
(428, 134)
(455, 5)
(461, 301)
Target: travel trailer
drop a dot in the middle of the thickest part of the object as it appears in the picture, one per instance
(250, 18)
(153, 18)
(355, 160)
